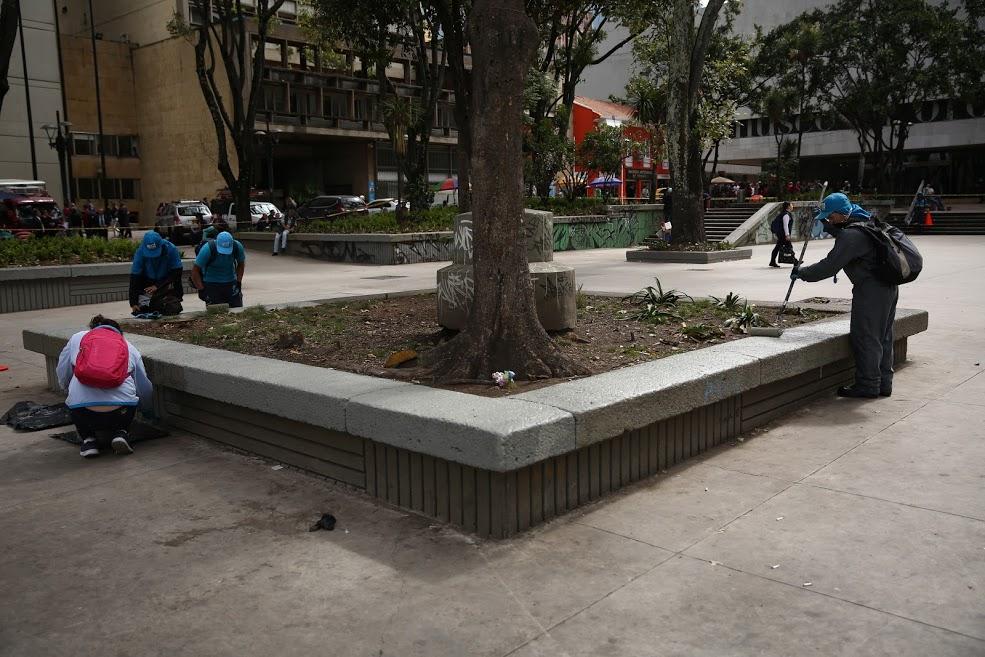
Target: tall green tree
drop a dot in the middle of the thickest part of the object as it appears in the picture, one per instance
(376, 30)
(602, 150)
(230, 54)
(671, 56)
(503, 331)
(882, 60)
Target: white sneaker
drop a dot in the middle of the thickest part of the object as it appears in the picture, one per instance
(89, 448)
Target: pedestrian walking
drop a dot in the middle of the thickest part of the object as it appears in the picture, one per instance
(218, 271)
(106, 382)
(873, 301)
(781, 231)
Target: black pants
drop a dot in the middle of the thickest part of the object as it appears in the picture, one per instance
(222, 293)
(89, 423)
(873, 315)
(781, 240)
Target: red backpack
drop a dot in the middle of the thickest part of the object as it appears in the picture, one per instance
(104, 358)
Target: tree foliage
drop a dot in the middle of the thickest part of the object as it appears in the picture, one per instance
(230, 64)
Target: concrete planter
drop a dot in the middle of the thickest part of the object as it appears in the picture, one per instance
(37, 288)
(494, 467)
(695, 257)
(364, 249)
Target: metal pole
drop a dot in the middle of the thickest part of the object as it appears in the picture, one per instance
(60, 148)
(27, 93)
(66, 167)
(99, 110)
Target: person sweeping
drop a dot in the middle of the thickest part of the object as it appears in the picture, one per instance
(873, 298)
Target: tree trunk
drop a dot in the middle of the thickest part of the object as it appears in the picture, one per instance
(463, 158)
(503, 331)
(683, 141)
(9, 12)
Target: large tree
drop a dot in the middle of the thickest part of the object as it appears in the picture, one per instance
(503, 331)
(230, 45)
(377, 31)
(882, 60)
(453, 18)
(9, 14)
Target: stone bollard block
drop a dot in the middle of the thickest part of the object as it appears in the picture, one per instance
(554, 284)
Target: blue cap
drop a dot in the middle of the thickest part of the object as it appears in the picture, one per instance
(224, 243)
(836, 202)
(152, 245)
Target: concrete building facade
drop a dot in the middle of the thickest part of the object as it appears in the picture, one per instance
(43, 87)
(324, 121)
(946, 146)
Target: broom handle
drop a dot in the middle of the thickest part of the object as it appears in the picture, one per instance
(803, 251)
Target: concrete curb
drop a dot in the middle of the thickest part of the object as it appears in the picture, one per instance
(694, 257)
(498, 435)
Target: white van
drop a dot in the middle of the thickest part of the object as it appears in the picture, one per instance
(445, 197)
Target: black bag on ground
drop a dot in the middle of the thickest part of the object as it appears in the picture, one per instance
(30, 416)
(897, 259)
(787, 256)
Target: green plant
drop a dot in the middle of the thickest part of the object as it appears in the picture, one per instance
(661, 245)
(581, 299)
(656, 296)
(561, 206)
(700, 332)
(63, 251)
(420, 221)
(730, 302)
(746, 318)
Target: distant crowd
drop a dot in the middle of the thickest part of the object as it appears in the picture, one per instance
(40, 220)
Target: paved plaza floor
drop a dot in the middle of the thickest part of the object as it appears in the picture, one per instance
(849, 528)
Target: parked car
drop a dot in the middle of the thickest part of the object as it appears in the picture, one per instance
(384, 205)
(444, 198)
(257, 209)
(323, 206)
(178, 221)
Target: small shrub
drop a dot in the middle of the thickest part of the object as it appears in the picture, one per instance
(657, 296)
(742, 321)
(64, 251)
(562, 207)
(661, 245)
(581, 299)
(420, 221)
(731, 301)
(700, 332)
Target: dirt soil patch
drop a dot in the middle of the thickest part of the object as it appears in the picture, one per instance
(359, 336)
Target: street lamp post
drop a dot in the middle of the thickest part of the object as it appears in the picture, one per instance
(58, 138)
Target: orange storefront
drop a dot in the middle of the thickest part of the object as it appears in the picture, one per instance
(639, 169)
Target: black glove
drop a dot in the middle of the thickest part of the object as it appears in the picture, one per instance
(795, 272)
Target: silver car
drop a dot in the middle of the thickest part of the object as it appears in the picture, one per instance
(179, 220)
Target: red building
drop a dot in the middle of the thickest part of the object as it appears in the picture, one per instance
(639, 169)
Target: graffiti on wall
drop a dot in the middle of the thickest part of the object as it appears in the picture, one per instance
(425, 249)
(463, 239)
(456, 289)
(622, 230)
(422, 250)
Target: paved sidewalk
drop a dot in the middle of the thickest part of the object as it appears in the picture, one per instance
(849, 528)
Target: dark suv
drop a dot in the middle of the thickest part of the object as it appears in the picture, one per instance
(324, 206)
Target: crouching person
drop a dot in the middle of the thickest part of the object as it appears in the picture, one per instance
(105, 378)
(218, 271)
(155, 277)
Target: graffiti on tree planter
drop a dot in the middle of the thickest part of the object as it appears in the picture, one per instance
(422, 250)
(456, 290)
(538, 237)
(556, 285)
(618, 231)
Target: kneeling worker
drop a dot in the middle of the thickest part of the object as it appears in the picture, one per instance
(873, 301)
(218, 271)
(105, 378)
(155, 276)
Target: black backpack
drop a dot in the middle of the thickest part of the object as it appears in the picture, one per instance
(776, 226)
(897, 259)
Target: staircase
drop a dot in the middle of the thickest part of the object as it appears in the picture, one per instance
(719, 222)
(946, 222)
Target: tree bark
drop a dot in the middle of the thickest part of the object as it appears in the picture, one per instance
(451, 16)
(683, 142)
(9, 12)
(503, 331)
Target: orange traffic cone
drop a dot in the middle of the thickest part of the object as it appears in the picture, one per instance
(928, 219)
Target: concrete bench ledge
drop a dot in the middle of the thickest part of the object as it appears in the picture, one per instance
(501, 434)
(36, 288)
(392, 238)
